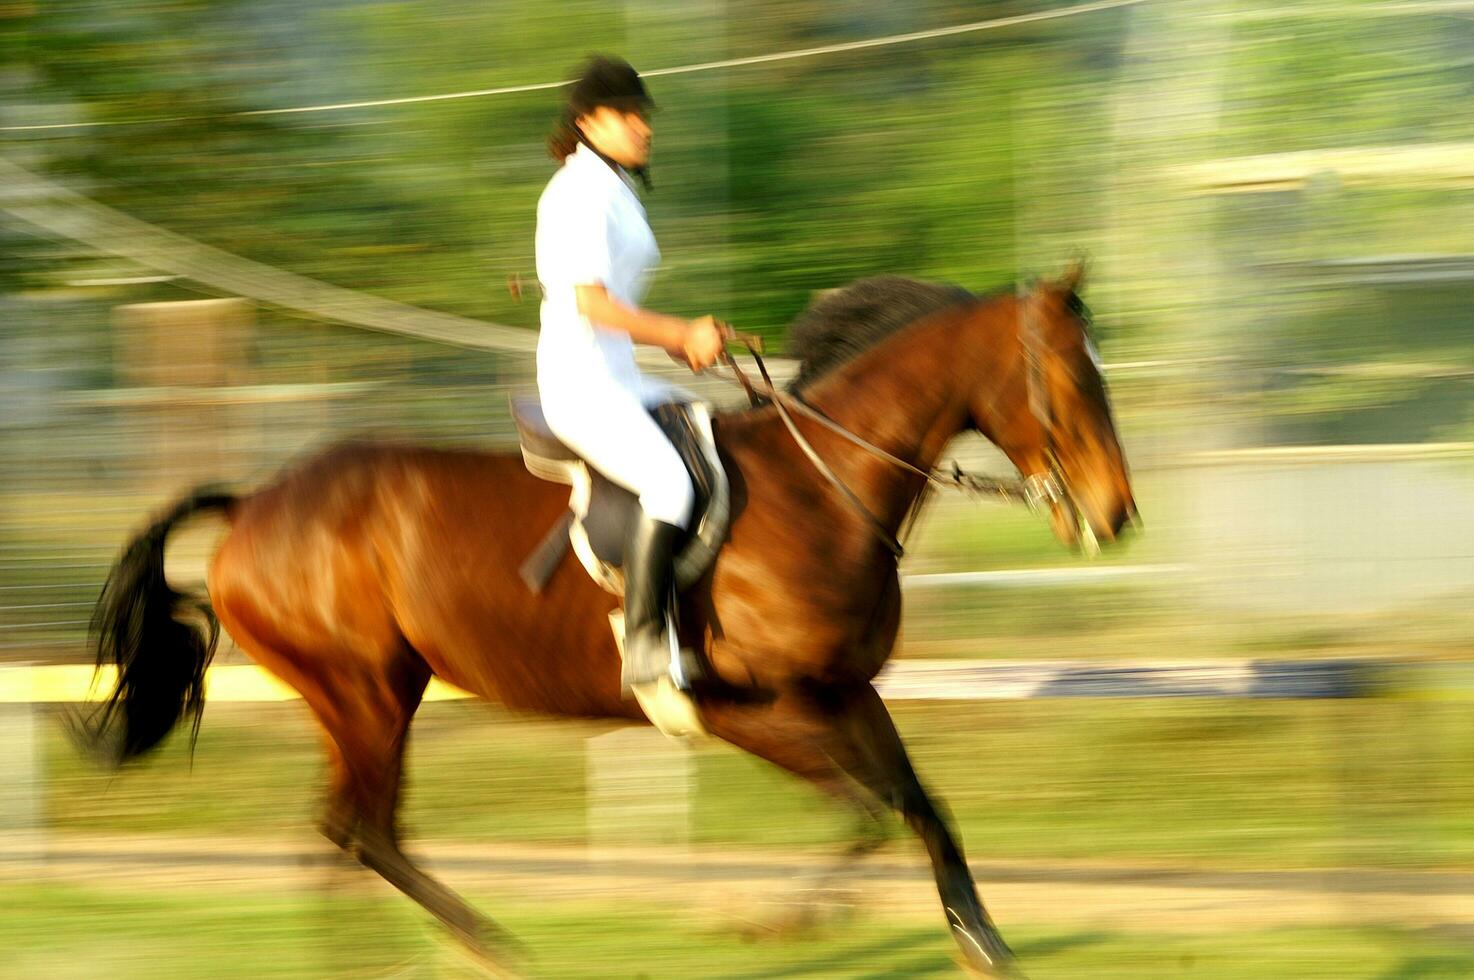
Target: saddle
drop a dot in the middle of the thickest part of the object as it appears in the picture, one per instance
(600, 511)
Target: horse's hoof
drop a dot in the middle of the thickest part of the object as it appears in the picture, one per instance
(983, 952)
(1008, 972)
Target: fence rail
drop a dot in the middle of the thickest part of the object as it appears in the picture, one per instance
(917, 680)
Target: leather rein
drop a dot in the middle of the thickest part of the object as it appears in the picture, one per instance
(1037, 490)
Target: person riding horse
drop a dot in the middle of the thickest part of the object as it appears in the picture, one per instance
(595, 252)
(359, 574)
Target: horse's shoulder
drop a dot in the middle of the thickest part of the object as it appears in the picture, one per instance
(744, 434)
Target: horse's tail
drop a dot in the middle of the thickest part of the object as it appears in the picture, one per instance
(161, 657)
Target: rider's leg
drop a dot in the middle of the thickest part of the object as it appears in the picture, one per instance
(648, 556)
(616, 435)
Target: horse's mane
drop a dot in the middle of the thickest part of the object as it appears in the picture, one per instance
(849, 321)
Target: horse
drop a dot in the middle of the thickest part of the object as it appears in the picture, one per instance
(362, 572)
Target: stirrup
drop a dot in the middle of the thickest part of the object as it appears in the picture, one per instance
(679, 665)
(669, 708)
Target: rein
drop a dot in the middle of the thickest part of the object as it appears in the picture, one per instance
(1037, 490)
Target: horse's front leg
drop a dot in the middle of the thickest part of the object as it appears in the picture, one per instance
(792, 735)
(826, 736)
(877, 759)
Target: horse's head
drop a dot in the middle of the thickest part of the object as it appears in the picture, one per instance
(1049, 412)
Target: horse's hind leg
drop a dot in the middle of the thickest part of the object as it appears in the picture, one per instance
(365, 706)
(367, 716)
(365, 712)
(339, 819)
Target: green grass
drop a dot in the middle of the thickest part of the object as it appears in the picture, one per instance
(1151, 620)
(65, 932)
(1198, 782)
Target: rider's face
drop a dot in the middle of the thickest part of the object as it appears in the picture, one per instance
(623, 137)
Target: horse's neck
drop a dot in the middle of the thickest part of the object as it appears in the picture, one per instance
(908, 395)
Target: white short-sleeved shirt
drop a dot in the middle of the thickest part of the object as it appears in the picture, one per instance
(591, 228)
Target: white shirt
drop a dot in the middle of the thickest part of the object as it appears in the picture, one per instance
(591, 229)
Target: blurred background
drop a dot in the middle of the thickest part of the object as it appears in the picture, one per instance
(231, 232)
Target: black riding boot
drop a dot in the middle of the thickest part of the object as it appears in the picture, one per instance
(648, 557)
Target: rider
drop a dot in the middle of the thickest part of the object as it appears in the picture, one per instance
(595, 251)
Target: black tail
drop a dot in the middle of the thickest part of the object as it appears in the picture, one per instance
(160, 657)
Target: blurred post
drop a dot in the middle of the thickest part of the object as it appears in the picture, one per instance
(20, 762)
(639, 786)
(174, 355)
(1164, 260)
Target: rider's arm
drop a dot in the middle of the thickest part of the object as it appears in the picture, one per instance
(697, 342)
(643, 326)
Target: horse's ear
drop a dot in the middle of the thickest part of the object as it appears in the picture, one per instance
(1074, 276)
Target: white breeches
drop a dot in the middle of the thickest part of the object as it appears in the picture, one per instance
(610, 428)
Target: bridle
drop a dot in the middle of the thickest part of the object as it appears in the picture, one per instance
(1053, 488)
(1038, 491)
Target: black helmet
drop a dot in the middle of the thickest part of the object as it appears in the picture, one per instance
(611, 82)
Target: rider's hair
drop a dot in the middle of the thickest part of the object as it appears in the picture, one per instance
(564, 138)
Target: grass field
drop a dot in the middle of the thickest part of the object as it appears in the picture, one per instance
(62, 933)
(1236, 785)
(1270, 784)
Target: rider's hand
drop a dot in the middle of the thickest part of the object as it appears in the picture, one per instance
(703, 343)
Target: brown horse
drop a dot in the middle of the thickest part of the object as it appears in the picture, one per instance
(359, 575)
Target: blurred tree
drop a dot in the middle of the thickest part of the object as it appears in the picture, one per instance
(971, 159)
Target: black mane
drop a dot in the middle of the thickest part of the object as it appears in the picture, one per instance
(851, 320)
